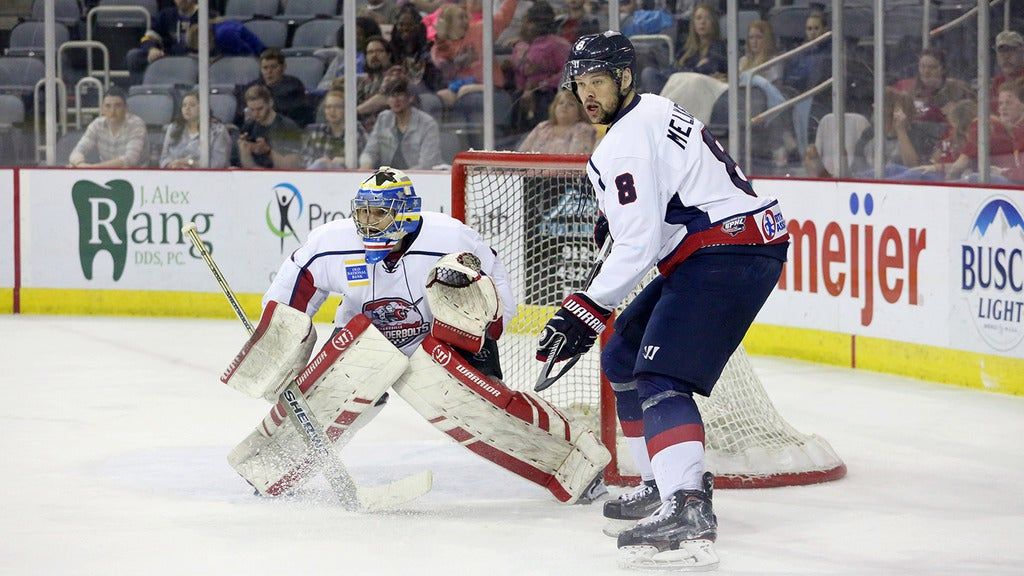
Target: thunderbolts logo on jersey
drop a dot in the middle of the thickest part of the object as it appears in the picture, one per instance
(396, 318)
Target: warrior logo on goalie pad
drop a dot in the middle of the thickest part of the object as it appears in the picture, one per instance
(397, 319)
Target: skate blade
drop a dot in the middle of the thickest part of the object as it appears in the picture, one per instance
(692, 556)
(614, 527)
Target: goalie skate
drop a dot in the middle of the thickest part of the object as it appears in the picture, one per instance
(680, 535)
(624, 512)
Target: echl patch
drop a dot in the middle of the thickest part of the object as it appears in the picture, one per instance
(734, 226)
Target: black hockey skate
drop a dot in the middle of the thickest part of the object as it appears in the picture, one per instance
(623, 512)
(680, 535)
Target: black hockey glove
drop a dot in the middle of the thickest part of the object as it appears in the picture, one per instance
(600, 230)
(573, 329)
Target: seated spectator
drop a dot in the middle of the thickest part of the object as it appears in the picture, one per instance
(576, 20)
(382, 11)
(536, 64)
(932, 89)
(370, 97)
(1009, 61)
(566, 131)
(288, 91)
(181, 139)
(411, 50)
(814, 167)
(167, 36)
(760, 49)
(959, 115)
(323, 146)
(1006, 139)
(899, 147)
(459, 47)
(267, 139)
(646, 17)
(366, 28)
(403, 136)
(118, 137)
(703, 52)
(227, 38)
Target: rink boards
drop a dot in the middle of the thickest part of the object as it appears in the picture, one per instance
(926, 281)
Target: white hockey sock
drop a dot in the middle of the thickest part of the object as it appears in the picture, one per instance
(679, 467)
(638, 449)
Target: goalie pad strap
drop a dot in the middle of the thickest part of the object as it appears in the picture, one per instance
(341, 384)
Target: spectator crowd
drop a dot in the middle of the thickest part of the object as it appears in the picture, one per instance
(420, 82)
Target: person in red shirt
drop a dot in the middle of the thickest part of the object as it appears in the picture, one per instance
(1009, 61)
(1006, 139)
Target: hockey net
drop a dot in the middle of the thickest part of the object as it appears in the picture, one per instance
(537, 212)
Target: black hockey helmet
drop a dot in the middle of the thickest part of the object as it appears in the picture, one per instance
(608, 51)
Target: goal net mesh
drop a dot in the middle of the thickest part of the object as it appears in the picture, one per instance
(537, 212)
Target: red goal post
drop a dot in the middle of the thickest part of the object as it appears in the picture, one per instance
(537, 212)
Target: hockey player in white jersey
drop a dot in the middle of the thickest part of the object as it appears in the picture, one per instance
(424, 300)
(670, 197)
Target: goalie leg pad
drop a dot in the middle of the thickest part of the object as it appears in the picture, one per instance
(342, 385)
(276, 350)
(519, 431)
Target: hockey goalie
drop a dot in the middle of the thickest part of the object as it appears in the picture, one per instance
(440, 355)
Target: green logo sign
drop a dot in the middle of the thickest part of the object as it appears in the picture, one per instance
(103, 222)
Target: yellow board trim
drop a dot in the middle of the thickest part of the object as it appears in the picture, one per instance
(6, 300)
(149, 303)
(960, 368)
(933, 363)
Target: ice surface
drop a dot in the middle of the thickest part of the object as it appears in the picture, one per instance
(114, 435)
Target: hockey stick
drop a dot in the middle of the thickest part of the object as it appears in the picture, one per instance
(352, 496)
(545, 379)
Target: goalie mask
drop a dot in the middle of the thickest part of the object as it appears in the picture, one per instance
(385, 209)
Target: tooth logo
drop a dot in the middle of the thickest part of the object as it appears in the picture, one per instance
(103, 222)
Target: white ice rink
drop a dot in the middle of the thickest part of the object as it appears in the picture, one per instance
(114, 434)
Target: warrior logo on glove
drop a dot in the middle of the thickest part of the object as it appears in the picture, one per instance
(573, 329)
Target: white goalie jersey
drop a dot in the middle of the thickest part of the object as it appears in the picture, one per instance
(392, 297)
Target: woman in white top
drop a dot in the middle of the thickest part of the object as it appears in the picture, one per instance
(181, 139)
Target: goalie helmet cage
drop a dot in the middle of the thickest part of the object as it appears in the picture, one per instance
(537, 212)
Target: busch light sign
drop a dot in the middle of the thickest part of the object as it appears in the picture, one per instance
(992, 273)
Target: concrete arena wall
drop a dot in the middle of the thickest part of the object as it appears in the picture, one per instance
(925, 281)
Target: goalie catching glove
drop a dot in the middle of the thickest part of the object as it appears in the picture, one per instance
(573, 329)
(465, 303)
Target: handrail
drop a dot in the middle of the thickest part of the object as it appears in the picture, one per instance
(88, 45)
(748, 126)
(78, 98)
(62, 100)
(111, 9)
(965, 16)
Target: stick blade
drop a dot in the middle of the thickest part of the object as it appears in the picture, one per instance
(391, 495)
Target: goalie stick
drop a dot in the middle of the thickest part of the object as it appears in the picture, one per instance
(545, 379)
(352, 496)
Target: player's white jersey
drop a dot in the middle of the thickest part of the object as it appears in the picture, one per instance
(668, 189)
(333, 260)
